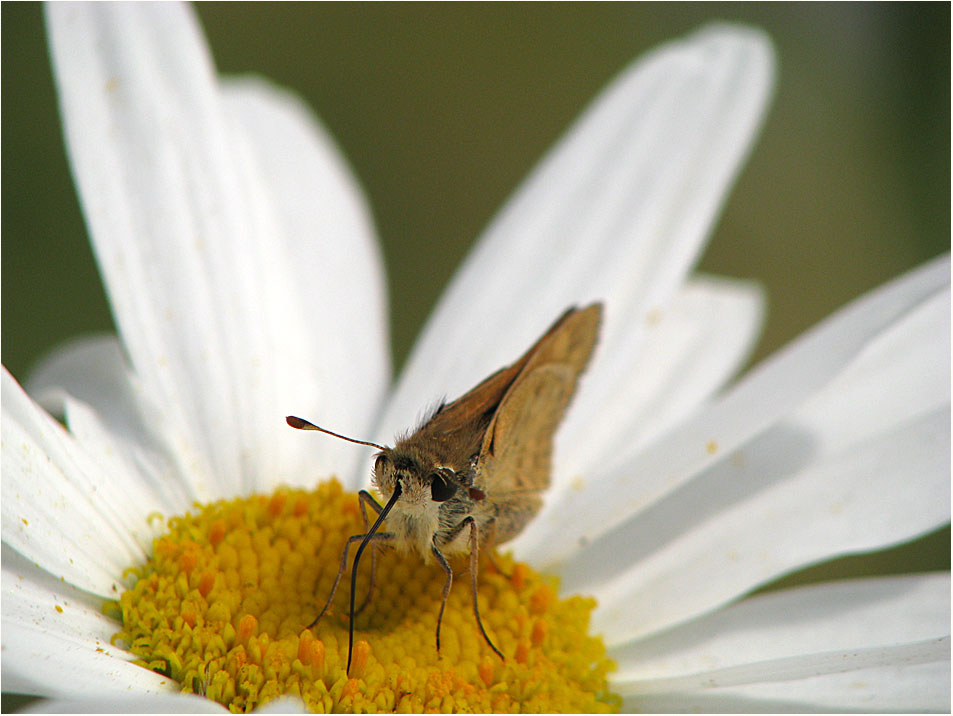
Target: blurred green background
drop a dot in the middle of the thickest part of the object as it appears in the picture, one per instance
(443, 108)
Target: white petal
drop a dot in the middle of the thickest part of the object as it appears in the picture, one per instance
(618, 211)
(807, 490)
(154, 704)
(801, 666)
(89, 382)
(338, 373)
(913, 688)
(616, 493)
(851, 614)
(187, 234)
(691, 348)
(59, 508)
(92, 369)
(148, 163)
(140, 482)
(829, 510)
(65, 653)
(765, 653)
(283, 705)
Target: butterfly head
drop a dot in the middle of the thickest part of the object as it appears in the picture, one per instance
(422, 482)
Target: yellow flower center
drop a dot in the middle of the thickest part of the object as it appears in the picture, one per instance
(223, 604)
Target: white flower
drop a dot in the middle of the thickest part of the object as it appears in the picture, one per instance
(245, 279)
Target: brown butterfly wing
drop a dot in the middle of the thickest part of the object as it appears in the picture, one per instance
(458, 430)
(517, 447)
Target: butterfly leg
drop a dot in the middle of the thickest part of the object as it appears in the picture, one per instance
(491, 549)
(442, 561)
(367, 499)
(474, 560)
(378, 537)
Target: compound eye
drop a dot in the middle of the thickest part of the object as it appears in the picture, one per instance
(441, 489)
(380, 463)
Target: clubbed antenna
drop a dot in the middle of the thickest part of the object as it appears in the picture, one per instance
(302, 424)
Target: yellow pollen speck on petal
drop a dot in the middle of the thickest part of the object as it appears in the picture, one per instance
(224, 604)
(712, 447)
(59, 608)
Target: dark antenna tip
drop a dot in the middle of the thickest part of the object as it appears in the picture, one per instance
(302, 424)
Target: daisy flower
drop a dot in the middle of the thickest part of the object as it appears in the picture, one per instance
(170, 538)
